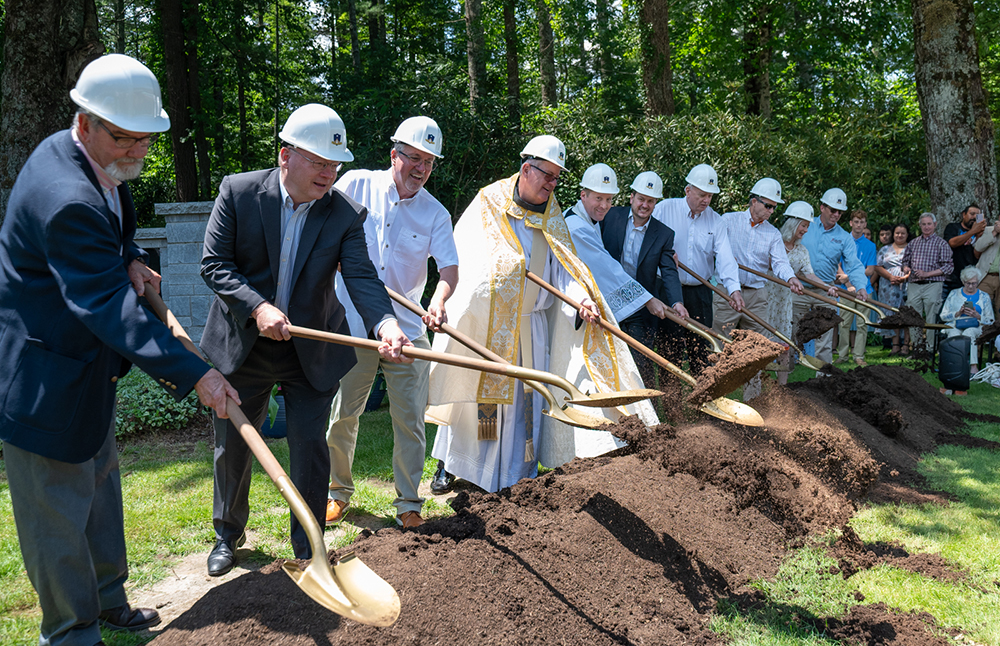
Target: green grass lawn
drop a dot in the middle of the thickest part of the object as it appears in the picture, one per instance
(168, 507)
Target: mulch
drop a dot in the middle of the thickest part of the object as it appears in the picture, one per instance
(639, 546)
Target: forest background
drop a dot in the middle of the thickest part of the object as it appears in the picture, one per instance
(815, 93)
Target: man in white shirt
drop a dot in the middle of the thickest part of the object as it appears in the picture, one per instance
(756, 244)
(405, 227)
(701, 244)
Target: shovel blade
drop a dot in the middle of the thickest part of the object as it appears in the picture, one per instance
(577, 418)
(616, 398)
(350, 588)
(732, 411)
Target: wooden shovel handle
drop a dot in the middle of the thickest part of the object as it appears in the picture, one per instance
(846, 294)
(247, 430)
(632, 343)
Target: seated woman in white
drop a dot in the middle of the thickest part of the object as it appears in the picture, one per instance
(968, 309)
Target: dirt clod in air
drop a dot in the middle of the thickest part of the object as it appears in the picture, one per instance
(739, 362)
(905, 317)
(815, 323)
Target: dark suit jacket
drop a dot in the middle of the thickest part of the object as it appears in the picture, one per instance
(70, 321)
(240, 264)
(656, 252)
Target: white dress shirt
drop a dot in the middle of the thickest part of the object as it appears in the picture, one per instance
(401, 235)
(700, 242)
(758, 247)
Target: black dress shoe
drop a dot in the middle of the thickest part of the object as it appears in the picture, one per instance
(222, 558)
(442, 481)
(127, 618)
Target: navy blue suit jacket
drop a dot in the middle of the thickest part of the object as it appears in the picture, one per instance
(240, 264)
(70, 321)
(656, 252)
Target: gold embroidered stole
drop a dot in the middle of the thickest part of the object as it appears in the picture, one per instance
(507, 281)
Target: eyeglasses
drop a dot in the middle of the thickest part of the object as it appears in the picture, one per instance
(549, 177)
(128, 142)
(319, 166)
(416, 161)
(769, 207)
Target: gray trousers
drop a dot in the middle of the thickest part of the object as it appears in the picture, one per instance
(71, 529)
(408, 385)
(306, 414)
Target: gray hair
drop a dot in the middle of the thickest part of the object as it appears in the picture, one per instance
(928, 214)
(789, 227)
(969, 272)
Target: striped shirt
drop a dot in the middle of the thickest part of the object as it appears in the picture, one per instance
(758, 247)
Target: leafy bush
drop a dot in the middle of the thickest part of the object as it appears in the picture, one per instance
(144, 406)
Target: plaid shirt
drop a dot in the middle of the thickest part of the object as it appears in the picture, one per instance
(928, 254)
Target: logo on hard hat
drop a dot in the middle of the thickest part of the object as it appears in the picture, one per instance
(430, 138)
(649, 184)
(336, 139)
(562, 155)
(839, 201)
(607, 180)
(711, 181)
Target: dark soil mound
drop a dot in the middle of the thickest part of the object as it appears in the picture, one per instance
(815, 323)
(905, 317)
(635, 547)
(738, 363)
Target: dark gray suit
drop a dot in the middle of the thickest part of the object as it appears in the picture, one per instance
(240, 263)
(655, 253)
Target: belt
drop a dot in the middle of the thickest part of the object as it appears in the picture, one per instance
(922, 282)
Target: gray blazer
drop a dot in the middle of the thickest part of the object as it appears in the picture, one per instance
(240, 264)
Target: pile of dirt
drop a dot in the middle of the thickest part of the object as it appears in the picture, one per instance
(815, 323)
(905, 317)
(739, 362)
(637, 546)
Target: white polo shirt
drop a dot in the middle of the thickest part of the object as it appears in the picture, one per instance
(401, 236)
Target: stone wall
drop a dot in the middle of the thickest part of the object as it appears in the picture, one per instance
(180, 245)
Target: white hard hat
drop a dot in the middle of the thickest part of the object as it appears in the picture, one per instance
(801, 210)
(422, 133)
(548, 148)
(768, 188)
(121, 91)
(648, 183)
(704, 177)
(835, 199)
(600, 178)
(318, 129)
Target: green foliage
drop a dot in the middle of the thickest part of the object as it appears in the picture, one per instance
(143, 406)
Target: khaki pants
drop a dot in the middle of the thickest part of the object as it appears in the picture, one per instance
(726, 319)
(407, 386)
(860, 338)
(926, 299)
(991, 286)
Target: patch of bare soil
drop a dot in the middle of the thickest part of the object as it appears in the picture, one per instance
(815, 323)
(638, 546)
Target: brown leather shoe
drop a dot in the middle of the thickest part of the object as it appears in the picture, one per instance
(409, 520)
(335, 511)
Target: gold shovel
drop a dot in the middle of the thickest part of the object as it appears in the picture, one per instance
(564, 414)
(874, 305)
(806, 360)
(597, 400)
(350, 588)
(722, 408)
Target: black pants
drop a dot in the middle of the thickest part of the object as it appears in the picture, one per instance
(675, 340)
(307, 413)
(644, 333)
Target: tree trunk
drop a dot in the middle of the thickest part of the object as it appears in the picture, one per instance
(961, 165)
(546, 54)
(192, 19)
(757, 32)
(352, 16)
(657, 73)
(513, 69)
(476, 49)
(602, 25)
(47, 43)
(177, 100)
(120, 26)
